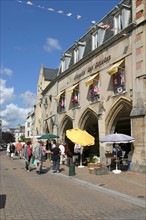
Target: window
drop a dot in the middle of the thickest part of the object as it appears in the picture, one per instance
(117, 71)
(125, 17)
(94, 88)
(101, 34)
(79, 51)
(98, 38)
(75, 98)
(122, 18)
(61, 104)
(60, 98)
(74, 91)
(119, 81)
(28, 124)
(76, 55)
(94, 40)
(117, 23)
(65, 62)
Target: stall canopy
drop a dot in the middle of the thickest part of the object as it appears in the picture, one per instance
(90, 80)
(72, 88)
(58, 96)
(114, 68)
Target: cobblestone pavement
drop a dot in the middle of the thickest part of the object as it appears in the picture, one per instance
(27, 196)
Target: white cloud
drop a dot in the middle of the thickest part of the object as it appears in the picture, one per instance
(52, 44)
(6, 71)
(7, 94)
(29, 98)
(13, 115)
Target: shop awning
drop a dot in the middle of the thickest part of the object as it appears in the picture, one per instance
(72, 88)
(90, 80)
(114, 68)
(58, 96)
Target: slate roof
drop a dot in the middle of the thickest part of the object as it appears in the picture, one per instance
(87, 37)
(49, 74)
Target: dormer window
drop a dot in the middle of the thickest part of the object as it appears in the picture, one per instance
(125, 17)
(122, 18)
(98, 38)
(79, 51)
(117, 23)
(65, 61)
(94, 40)
(101, 34)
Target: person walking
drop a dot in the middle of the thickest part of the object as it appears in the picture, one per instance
(37, 153)
(56, 158)
(8, 149)
(19, 147)
(62, 156)
(27, 155)
(12, 150)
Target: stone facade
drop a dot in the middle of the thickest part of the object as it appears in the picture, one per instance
(102, 88)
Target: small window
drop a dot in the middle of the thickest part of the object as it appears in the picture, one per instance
(100, 37)
(61, 104)
(65, 62)
(75, 98)
(117, 23)
(79, 51)
(125, 17)
(94, 90)
(76, 55)
(119, 81)
(94, 41)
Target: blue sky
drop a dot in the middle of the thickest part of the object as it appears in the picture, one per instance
(31, 36)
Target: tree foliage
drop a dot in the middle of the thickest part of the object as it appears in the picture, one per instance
(7, 137)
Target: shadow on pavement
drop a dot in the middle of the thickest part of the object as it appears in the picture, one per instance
(2, 201)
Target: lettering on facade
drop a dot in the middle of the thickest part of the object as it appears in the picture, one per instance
(97, 64)
(101, 62)
(79, 75)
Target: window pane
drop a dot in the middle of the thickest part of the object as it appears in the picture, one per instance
(119, 81)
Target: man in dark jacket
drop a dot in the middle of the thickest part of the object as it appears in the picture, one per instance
(56, 158)
(12, 150)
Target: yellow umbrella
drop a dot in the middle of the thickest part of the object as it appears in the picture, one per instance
(81, 137)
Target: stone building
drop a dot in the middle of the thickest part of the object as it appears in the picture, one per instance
(101, 83)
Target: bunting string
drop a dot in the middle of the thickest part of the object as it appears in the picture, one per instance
(68, 14)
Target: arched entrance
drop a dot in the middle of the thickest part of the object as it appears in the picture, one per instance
(89, 122)
(118, 119)
(65, 125)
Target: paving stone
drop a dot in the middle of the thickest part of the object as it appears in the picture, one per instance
(83, 196)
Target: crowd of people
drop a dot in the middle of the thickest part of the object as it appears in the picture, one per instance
(58, 153)
(35, 154)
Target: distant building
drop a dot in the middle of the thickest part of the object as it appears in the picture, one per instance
(29, 126)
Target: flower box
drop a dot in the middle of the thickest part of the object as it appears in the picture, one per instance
(94, 165)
